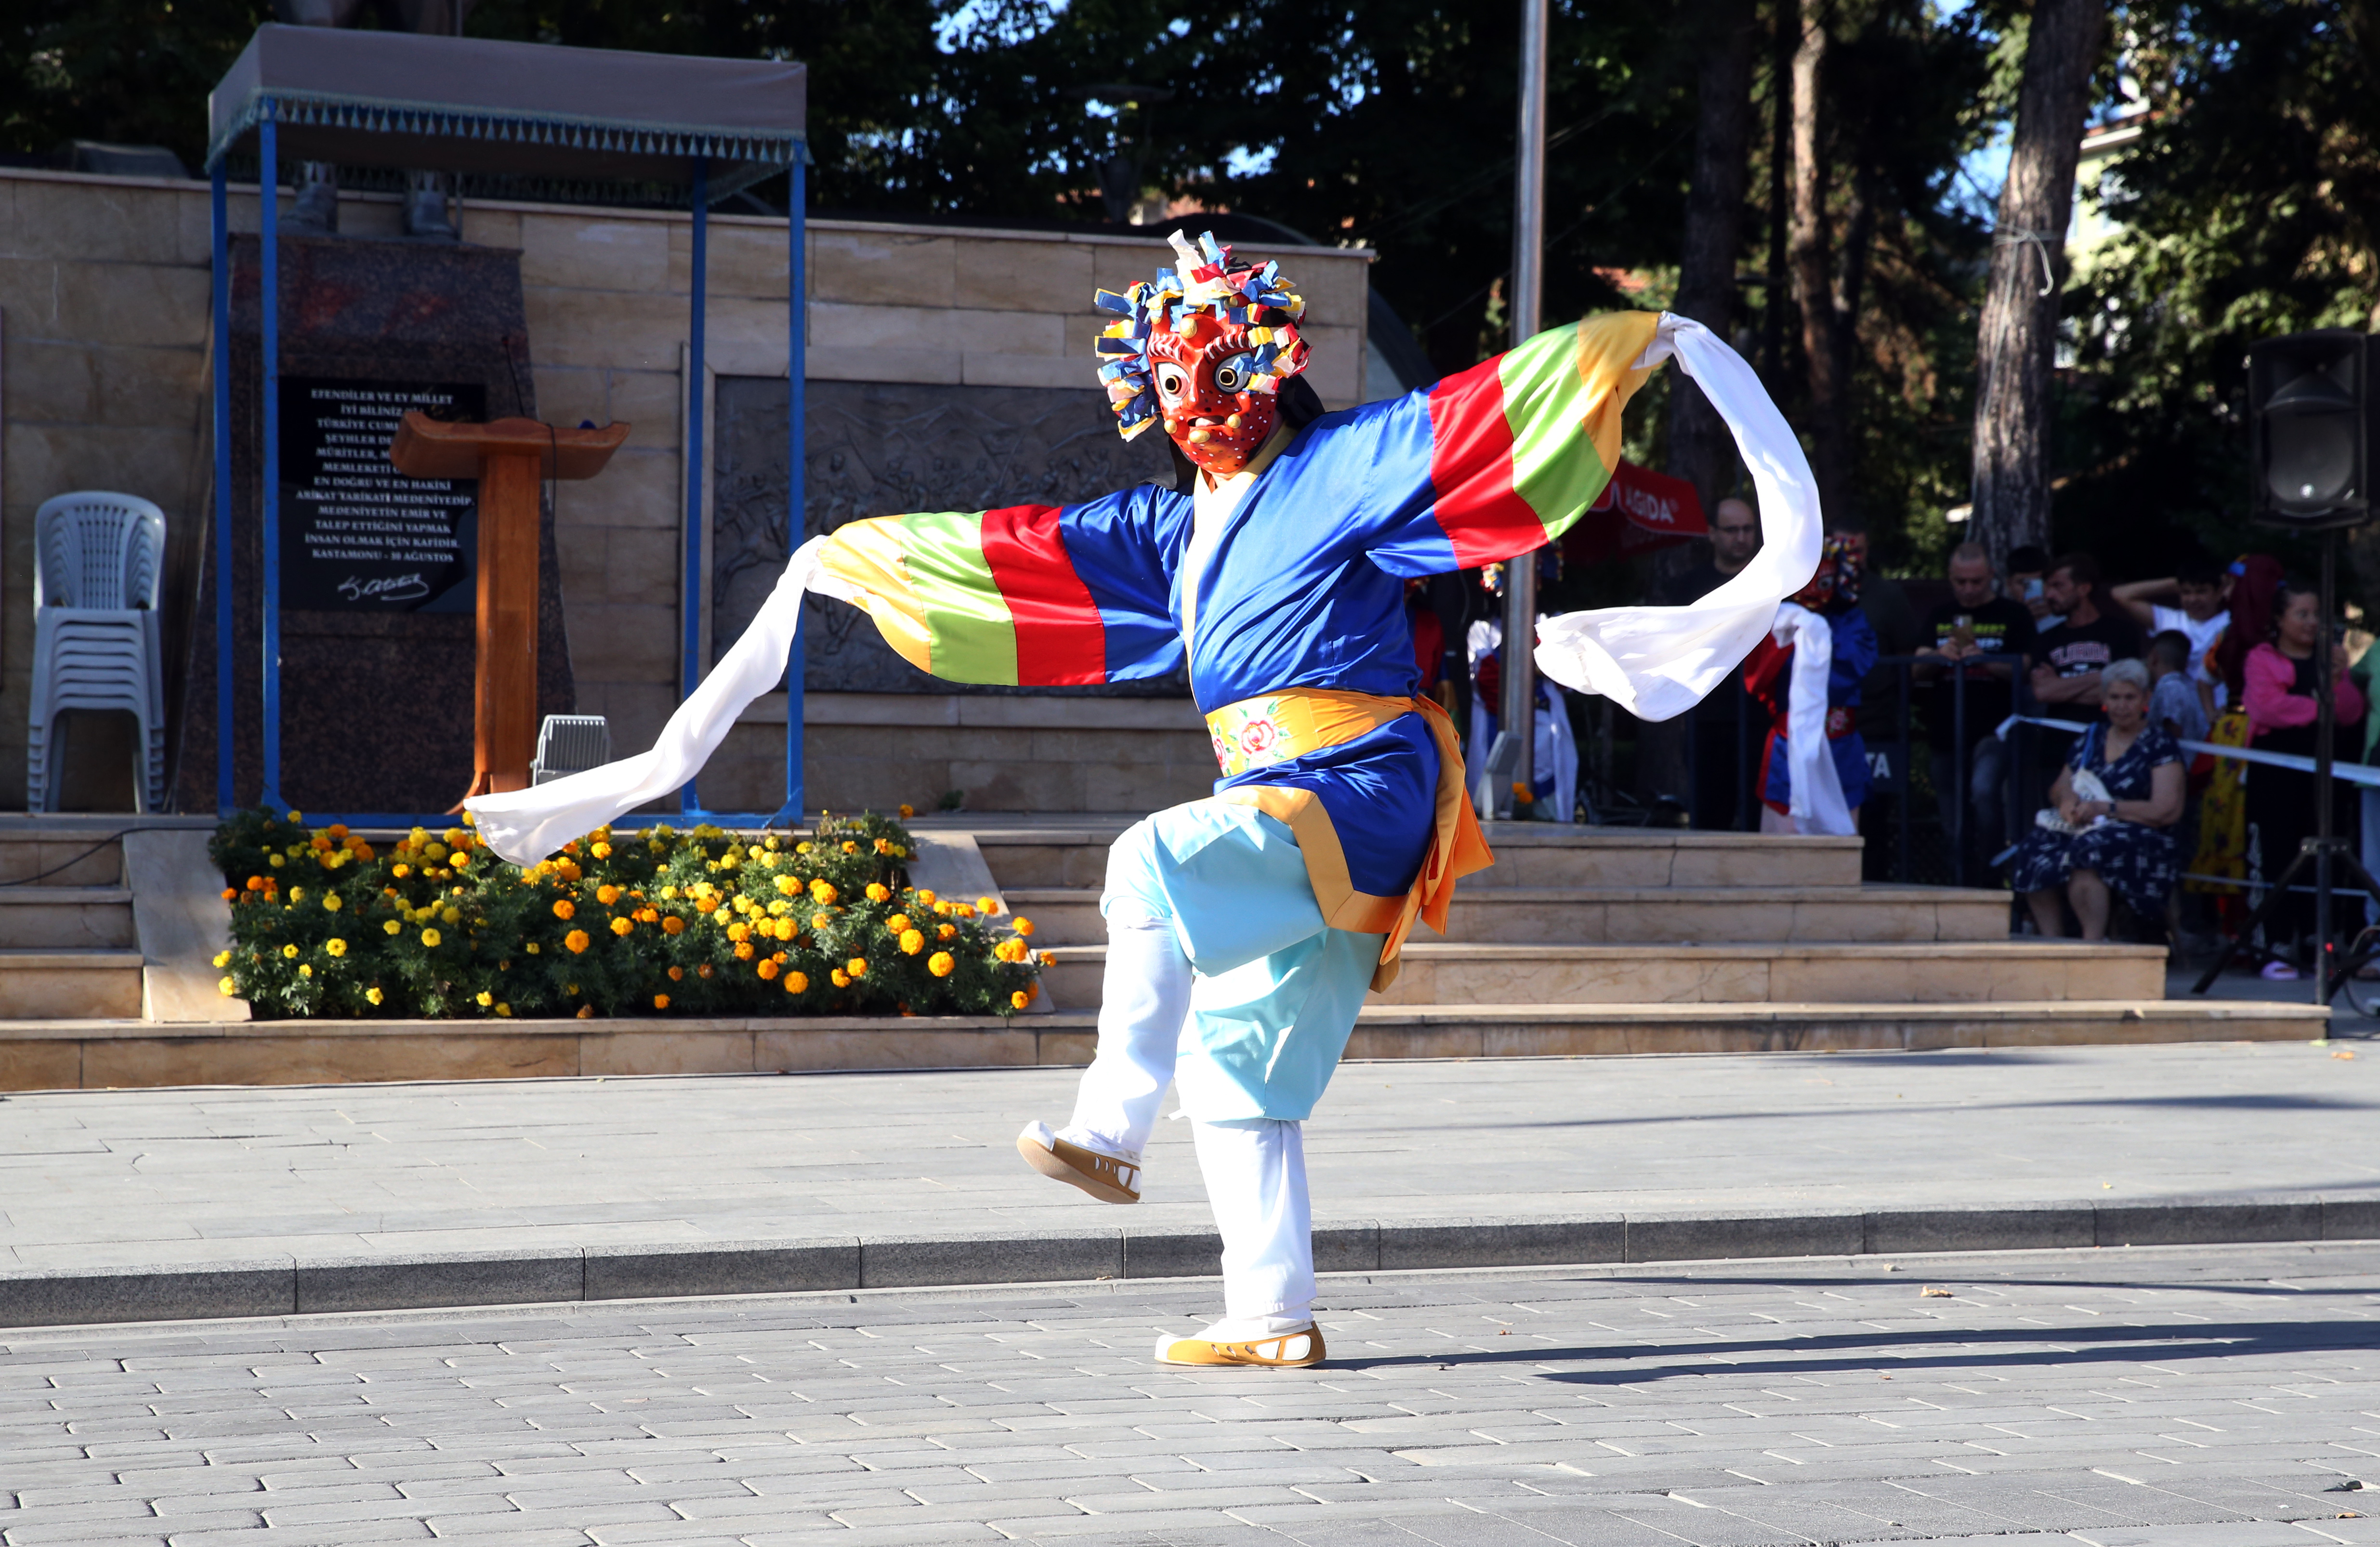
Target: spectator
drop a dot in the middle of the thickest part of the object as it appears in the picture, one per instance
(2119, 792)
(2223, 804)
(2028, 586)
(1734, 538)
(2175, 705)
(1974, 622)
(2071, 654)
(2278, 693)
(1719, 728)
(2201, 588)
(1833, 594)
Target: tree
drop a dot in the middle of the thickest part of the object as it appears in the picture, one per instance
(1700, 447)
(2017, 336)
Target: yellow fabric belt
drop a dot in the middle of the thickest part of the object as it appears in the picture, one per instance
(1259, 732)
(1275, 727)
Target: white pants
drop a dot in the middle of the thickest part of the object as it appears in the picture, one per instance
(1254, 1168)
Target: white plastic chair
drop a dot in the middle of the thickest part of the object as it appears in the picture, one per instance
(97, 644)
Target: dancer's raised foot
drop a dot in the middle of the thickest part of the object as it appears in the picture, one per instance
(1261, 1342)
(1110, 1177)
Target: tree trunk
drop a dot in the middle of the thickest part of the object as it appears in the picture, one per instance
(1700, 448)
(2016, 342)
(1813, 288)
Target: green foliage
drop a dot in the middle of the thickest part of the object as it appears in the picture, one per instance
(658, 921)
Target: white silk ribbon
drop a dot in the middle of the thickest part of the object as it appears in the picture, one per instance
(1817, 803)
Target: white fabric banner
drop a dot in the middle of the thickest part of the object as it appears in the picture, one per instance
(1657, 663)
(1818, 804)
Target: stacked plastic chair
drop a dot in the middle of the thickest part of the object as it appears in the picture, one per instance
(97, 644)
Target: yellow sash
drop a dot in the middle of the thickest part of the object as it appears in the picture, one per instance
(1272, 728)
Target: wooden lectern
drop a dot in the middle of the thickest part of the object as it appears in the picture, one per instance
(510, 457)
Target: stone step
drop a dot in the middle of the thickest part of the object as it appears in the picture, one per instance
(44, 854)
(68, 985)
(1528, 854)
(2031, 970)
(1649, 915)
(65, 919)
(63, 1055)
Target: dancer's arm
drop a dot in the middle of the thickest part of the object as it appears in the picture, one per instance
(1028, 596)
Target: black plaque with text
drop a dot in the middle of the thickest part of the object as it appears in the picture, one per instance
(357, 536)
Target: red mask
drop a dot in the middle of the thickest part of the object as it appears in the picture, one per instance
(1203, 383)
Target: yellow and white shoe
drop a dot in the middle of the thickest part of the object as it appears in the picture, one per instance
(1110, 1179)
(1247, 1343)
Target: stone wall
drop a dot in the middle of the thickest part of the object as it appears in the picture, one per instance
(104, 384)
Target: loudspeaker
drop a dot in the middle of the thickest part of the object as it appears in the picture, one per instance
(2311, 418)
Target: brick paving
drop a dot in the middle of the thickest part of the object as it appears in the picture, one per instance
(2156, 1397)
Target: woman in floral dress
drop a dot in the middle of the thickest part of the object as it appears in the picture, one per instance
(2122, 844)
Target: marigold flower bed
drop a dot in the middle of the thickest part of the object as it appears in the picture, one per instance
(653, 922)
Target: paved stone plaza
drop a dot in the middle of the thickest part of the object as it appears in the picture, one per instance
(101, 1178)
(2226, 1396)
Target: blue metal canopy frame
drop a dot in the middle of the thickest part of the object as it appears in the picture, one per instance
(357, 87)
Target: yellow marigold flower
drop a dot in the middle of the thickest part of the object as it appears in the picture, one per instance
(306, 970)
(576, 941)
(331, 904)
(607, 895)
(276, 862)
(289, 950)
(430, 938)
(739, 932)
(801, 848)
(987, 905)
(601, 851)
(223, 959)
(895, 924)
(856, 967)
(1022, 926)
(297, 893)
(393, 927)
(450, 915)
(797, 983)
(336, 947)
(822, 893)
(374, 995)
(433, 852)
(503, 1009)
(767, 970)
(296, 817)
(534, 948)
(462, 862)
(743, 950)
(1020, 999)
(660, 1002)
(401, 871)
(672, 925)
(944, 931)
(912, 941)
(850, 847)
(225, 984)
(565, 908)
(837, 977)
(877, 892)
(785, 929)
(485, 999)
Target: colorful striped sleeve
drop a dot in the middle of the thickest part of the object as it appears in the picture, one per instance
(1515, 448)
(1029, 596)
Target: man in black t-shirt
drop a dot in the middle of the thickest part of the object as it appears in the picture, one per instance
(1724, 743)
(2067, 666)
(1974, 622)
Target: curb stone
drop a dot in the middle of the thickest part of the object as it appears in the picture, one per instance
(283, 1285)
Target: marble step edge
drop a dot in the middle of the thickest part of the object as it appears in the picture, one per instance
(96, 958)
(65, 896)
(2015, 948)
(2312, 1019)
(304, 1283)
(1881, 896)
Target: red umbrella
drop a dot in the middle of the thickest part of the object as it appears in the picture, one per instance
(1638, 512)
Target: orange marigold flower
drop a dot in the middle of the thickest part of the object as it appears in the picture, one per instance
(586, 1012)
(230, 895)
(576, 941)
(940, 964)
(739, 932)
(337, 830)
(1022, 926)
(786, 929)
(256, 884)
(944, 931)
(607, 895)
(704, 970)
(660, 1002)
(564, 909)
(767, 969)
(672, 925)
(850, 847)
(896, 924)
(856, 967)
(912, 941)
(960, 910)
(837, 977)
(743, 950)
(822, 893)
(797, 983)
(907, 810)
(877, 892)
(1048, 958)
(1020, 999)
(986, 904)
(569, 870)
(677, 974)
(706, 904)
(622, 926)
